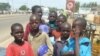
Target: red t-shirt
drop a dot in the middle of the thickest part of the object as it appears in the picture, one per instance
(27, 31)
(56, 34)
(19, 50)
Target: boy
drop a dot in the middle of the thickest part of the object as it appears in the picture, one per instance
(37, 11)
(82, 43)
(38, 38)
(52, 19)
(19, 47)
(61, 19)
(52, 24)
(57, 32)
(58, 47)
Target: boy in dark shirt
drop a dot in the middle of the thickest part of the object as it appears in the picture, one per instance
(66, 28)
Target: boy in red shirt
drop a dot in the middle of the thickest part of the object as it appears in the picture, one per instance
(19, 47)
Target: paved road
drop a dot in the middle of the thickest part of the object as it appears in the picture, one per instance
(6, 22)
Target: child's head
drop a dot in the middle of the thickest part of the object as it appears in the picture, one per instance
(61, 19)
(79, 24)
(34, 22)
(17, 31)
(52, 16)
(65, 30)
(37, 10)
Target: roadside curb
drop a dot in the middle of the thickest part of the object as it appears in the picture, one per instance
(5, 16)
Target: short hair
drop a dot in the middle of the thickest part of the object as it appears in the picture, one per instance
(53, 12)
(61, 15)
(83, 21)
(33, 15)
(34, 8)
(65, 23)
(14, 25)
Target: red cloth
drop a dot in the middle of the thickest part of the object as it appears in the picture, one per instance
(27, 31)
(56, 34)
(72, 35)
(19, 50)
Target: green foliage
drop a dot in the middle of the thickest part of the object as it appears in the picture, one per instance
(90, 5)
(53, 9)
(4, 6)
(23, 7)
(77, 5)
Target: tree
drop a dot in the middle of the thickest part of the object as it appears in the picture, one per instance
(23, 7)
(77, 5)
(84, 5)
(94, 4)
(90, 5)
(53, 9)
(4, 6)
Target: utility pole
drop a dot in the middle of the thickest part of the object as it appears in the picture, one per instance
(70, 4)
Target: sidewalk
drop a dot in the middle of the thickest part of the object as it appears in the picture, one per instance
(2, 16)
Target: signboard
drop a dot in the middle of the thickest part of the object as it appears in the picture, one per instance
(70, 5)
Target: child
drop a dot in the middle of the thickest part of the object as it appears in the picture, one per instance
(61, 19)
(58, 47)
(57, 32)
(52, 19)
(19, 47)
(37, 10)
(38, 38)
(52, 24)
(82, 43)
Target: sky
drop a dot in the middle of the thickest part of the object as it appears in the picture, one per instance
(61, 4)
